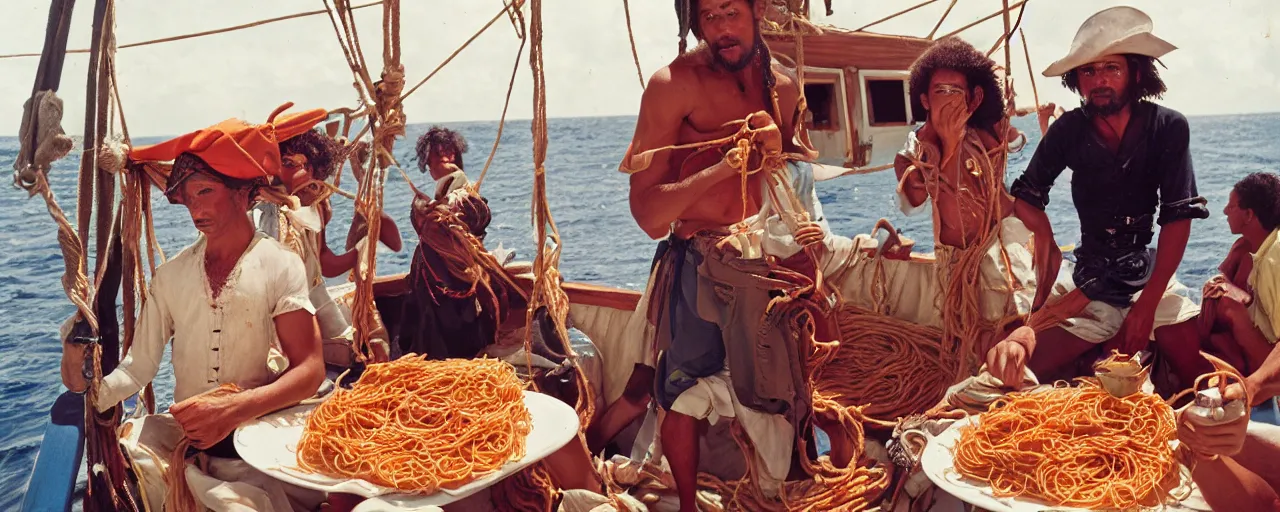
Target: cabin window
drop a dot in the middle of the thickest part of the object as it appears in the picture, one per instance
(888, 101)
(823, 107)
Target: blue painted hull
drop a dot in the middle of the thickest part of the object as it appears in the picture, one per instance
(53, 478)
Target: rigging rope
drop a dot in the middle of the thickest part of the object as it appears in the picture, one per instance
(631, 36)
(517, 18)
(199, 34)
(514, 5)
(386, 122)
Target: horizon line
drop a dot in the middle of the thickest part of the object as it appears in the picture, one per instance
(604, 116)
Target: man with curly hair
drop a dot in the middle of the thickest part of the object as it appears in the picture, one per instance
(439, 153)
(1131, 164)
(956, 160)
(307, 162)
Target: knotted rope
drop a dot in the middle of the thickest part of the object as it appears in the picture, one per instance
(517, 20)
(386, 121)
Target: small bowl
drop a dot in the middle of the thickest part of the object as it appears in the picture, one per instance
(1122, 378)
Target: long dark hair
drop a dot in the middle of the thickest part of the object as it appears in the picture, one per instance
(1144, 78)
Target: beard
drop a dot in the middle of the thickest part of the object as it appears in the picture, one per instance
(1115, 102)
(747, 56)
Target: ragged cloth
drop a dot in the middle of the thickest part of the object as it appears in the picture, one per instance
(459, 300)
(725, 316)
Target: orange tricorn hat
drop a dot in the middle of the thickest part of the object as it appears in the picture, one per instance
(237, 148)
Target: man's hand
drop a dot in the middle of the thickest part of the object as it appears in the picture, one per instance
(209, 418)
(950, 121)
(768, 136)
(1223, 440)
(810, 233)
(1248, 389)
(73, 367)
(1135, 332)
(1219, 287)
(1007, 360)
(1048, 260)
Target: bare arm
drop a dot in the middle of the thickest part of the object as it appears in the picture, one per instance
(389, 233)
(912, 188)
(1169, 251)
(1031, 191)
(1226, 485)
(1048, 257)
(657, 199)
(1265, 382)
(1179, 204)
(1135, 332)
(334, 265)
(1243, 473)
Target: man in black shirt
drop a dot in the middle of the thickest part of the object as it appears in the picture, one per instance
(1131, 169)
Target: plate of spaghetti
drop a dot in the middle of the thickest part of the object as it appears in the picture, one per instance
(413, 431)
(1064, 448)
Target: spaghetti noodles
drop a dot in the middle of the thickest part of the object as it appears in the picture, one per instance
(418, 425)
(1074, 446)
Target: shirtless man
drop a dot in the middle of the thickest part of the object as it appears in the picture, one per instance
(235, 304)
(681, 196)
(1132, 169)
(958, 86)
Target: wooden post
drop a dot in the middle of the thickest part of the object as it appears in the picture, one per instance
(88, 164)
(106, 183)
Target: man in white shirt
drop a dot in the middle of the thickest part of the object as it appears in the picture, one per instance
(236, 306)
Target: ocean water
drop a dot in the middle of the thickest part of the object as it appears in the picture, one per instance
(588, 199)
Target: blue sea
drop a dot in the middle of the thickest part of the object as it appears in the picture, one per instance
(588, 199)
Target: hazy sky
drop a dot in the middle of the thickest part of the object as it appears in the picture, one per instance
(1226, 62)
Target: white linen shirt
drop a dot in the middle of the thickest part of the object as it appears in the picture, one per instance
(231, 340)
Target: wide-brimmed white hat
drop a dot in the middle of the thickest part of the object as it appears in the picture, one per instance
(1112, 31)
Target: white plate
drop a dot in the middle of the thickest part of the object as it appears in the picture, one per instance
(269, 444)
(937, 463)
